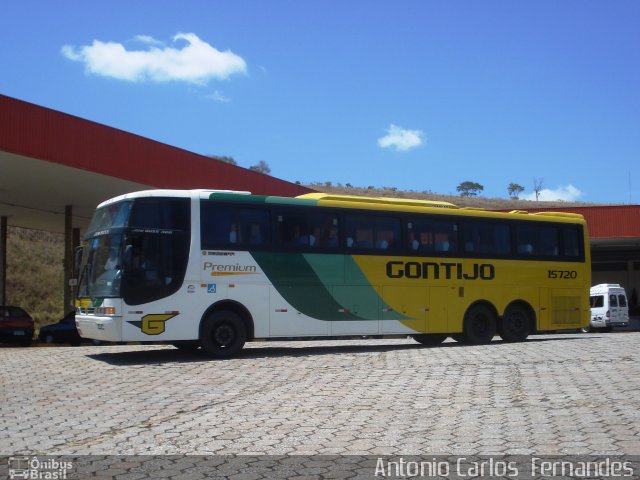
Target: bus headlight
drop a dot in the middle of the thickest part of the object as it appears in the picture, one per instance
(109, 311)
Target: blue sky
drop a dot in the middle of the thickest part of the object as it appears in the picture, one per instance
(419, 95)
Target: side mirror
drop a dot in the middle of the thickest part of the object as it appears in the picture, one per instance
(77, 259)
(126, 256)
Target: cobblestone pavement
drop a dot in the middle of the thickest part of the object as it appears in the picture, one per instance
(561, 394)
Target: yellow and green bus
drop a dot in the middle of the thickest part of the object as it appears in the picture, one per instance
(214, 269)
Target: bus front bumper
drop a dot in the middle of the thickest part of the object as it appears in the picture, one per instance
(108, 329)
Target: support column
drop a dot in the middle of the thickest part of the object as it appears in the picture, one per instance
(68, 258)
(3, 260)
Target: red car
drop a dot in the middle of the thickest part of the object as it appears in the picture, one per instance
(16, 325)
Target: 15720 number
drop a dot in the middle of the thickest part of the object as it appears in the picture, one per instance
(563, 274)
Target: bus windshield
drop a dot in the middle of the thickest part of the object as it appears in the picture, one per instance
(101, 269)
(137, 250)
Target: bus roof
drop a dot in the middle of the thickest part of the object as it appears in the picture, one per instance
(403, 202)
(349, 201)
(203, 193)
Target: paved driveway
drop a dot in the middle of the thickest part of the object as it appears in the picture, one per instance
(555, 394)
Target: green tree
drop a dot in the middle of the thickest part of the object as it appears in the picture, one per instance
(261, 167)
(469, 189)
(225, 159)
(515, 190)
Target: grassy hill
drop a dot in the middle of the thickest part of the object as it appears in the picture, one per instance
(35, 273)
(477, 202)
(35, 258)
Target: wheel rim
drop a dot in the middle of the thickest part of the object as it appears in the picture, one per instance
(516, 322)
(224, 335)
(481, 325)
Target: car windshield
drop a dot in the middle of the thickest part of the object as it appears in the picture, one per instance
(12, 312)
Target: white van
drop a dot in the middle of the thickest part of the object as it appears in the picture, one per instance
(609, 307)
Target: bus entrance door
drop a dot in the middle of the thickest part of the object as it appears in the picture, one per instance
(437, 316)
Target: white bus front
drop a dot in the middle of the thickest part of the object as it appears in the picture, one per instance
(134, 256)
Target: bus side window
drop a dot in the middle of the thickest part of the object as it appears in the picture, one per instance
(549, 241)
(253, 226)
(432, 235)
(487, 238)
(224, 226)
(323, 228)
(373, 232)
(217, 228)
(570, 242)
(292, 230)
(537, 240)
(525, 249)
(359, 231)
(307, 230)
(525, 238)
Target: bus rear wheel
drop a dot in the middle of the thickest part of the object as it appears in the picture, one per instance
(430, 338)
(515, 325)
(222, 334)
(479, 325)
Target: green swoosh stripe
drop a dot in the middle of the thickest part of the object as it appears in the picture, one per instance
(294, 279)
(321, 286)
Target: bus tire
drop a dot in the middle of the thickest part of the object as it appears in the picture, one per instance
(479, 325)
(430, 338)
(516, 324)
(222, 334)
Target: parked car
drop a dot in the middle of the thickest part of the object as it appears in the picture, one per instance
(64, 331)
(609, 307)
(16, 325)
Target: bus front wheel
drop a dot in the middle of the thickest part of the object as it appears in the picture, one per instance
(222, 334)
(479, 325)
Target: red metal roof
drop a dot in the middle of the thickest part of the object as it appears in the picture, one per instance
(38, 132)
(611, 221)
(44, 134)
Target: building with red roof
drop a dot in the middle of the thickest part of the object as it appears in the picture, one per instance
(55, 168)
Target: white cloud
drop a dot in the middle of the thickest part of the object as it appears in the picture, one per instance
(195, 62)
(218, 96)
(401, 139)
(568, 193)
(148, 39)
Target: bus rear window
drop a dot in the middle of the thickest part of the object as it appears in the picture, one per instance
(622, 300)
